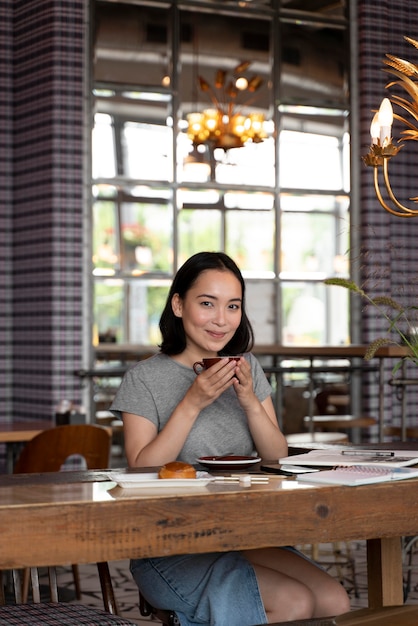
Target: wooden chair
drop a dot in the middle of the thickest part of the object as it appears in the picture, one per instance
(52, 611)
(48, 451)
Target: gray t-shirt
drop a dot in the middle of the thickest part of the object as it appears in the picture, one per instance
(154, 387)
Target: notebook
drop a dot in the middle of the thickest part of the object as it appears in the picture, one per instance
(359, 475)
(353, 456)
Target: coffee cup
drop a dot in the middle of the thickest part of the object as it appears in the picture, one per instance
(205, 364)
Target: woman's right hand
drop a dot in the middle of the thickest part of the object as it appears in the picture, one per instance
(211, 383)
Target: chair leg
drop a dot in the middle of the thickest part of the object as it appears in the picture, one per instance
(25, 585)
(53, 584)
(2, 593)
(77, 586)
(109, 599)
(36, 591)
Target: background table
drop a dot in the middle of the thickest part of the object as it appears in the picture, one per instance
(18, 433)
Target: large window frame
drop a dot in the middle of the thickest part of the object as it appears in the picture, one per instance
(272, 284)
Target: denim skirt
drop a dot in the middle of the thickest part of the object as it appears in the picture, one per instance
(214, 589)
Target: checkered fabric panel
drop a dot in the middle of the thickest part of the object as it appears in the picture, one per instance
(48, 82)
(6, 197)
(49, 614)
(387, 243)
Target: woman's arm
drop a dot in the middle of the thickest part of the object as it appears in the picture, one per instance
(145, 446)
(269, 441)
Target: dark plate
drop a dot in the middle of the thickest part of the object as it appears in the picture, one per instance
(228, 462)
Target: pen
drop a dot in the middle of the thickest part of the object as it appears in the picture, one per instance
(367, 453)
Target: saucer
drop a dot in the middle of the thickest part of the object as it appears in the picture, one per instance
(228, 462)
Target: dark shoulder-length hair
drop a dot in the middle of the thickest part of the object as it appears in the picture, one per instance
(171, 327)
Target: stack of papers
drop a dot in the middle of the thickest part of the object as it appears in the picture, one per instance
(353, 456)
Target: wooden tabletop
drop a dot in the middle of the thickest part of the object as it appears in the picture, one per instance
(81, 517)
(22, 431)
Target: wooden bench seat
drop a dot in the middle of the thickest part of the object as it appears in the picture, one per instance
(405, 615)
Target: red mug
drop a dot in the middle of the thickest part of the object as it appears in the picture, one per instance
(205, 364)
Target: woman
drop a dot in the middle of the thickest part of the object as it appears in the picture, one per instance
(170, 413)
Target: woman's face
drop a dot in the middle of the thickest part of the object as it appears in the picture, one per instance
(211, 312)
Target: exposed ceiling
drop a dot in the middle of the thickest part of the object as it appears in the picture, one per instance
(132, 47)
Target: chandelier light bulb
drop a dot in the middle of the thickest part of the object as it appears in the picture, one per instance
(385, 119)
(241, 83)
(375, 128)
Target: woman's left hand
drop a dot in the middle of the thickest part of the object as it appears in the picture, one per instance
(243, 384)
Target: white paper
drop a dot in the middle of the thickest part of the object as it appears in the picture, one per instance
(333, 458)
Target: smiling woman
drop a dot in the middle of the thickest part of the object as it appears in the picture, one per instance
(171, 413)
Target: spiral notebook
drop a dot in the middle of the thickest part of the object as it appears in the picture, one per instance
(352, 475)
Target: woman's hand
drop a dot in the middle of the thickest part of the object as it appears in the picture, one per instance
(211, 383)
(269, 441)
(243, 384)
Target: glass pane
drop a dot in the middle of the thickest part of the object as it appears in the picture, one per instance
(147, 151)
(103, 147)
(315, 66)
(108, 306)
(147, 234)
(146, 302)
(304, 314)
(251, 165)
(248, 200)
(261, 309)
(308, 244)
(310, 161)
(194, 163)
(339, 315)
(105, 236)
(132, 44)
(313, 315)
(250, 241)
(314, 202)
(198, 230)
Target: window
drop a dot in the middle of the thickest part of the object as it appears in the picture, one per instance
(279, 207)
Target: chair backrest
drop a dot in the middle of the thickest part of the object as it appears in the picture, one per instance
(48, 451)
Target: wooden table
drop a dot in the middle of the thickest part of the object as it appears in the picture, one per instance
(79, 517)
(17, 433)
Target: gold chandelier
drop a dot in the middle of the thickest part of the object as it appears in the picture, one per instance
(225, 125)
(382, 149)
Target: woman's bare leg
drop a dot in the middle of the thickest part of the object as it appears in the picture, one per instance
(294, 588)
